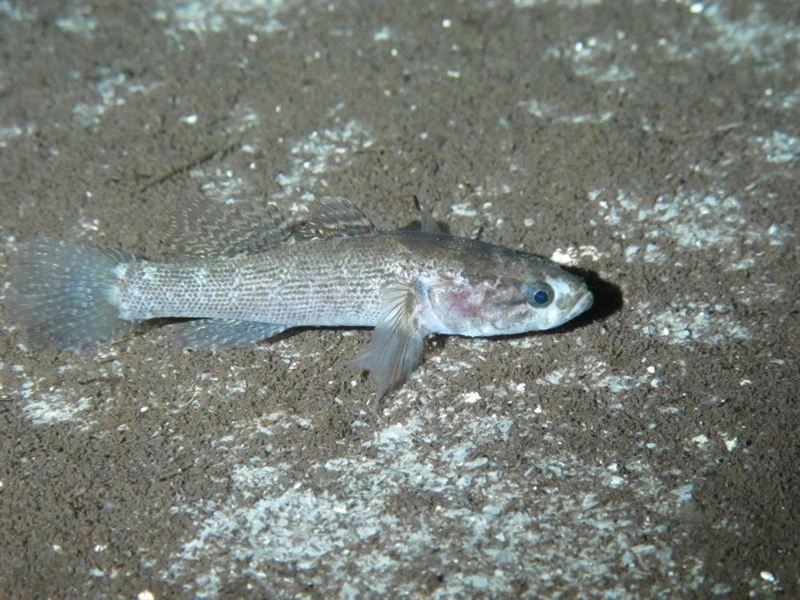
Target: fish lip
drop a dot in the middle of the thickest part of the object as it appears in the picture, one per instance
(583, 304)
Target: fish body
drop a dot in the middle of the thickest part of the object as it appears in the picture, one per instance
(340, 272)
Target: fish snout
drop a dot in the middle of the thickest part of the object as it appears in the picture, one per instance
(584, 303)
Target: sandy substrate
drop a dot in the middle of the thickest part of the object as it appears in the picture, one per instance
(649, 450)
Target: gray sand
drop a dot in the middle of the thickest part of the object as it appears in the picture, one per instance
(649, 450)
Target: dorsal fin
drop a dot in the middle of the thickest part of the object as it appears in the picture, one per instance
(333, 217)
(227, 225)
(427, 222)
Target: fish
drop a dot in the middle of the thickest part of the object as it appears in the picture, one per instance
(333, 269)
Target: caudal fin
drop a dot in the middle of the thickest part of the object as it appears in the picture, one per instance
(65, 294)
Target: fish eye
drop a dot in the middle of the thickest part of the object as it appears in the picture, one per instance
(539, 295)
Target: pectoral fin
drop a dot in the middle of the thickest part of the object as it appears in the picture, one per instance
(397, 342)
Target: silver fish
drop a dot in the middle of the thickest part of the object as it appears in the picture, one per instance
(335, 270)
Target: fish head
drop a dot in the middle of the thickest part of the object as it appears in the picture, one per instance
(522, 293)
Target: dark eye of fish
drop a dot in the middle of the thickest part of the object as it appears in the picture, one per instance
(539, 295)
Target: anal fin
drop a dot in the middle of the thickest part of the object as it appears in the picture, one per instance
(221, 334)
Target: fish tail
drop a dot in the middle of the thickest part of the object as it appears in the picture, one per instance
(66, 294)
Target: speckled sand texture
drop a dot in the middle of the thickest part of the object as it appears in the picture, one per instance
(650, 450)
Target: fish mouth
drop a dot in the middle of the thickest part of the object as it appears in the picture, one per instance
(583, 304)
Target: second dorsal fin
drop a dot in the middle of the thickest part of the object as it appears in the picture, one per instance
(333, 217)
(223, 227)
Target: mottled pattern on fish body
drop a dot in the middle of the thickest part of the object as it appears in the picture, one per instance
(406, 284)
(319, 283)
